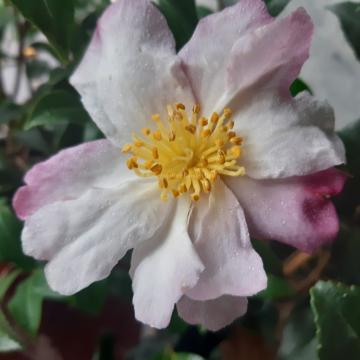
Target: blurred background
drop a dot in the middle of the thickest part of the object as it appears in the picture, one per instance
(311, 309)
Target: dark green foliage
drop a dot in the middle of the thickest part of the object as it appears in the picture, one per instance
(10, 247)
(182, 19)
(337, 317)
(54, 18)
(349, 15)
(276, 6)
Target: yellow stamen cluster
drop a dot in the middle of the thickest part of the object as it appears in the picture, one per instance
(186, 153)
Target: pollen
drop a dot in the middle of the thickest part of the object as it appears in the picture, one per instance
(187, 152)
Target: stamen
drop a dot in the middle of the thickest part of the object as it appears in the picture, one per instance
(186, 153)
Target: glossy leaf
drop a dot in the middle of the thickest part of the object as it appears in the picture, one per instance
(298, 338)
(8, 341)
(181, 17)
(299, 86)
(276, 6)
(58, 107)
(10, 245)
(349, 15)
(351, 138)
(91, 299)
(203, 11)
(25, 306)
(277, 288)
(54, 18)
(337, 316)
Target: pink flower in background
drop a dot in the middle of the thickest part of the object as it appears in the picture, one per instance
(202, 147)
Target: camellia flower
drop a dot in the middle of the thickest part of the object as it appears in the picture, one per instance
(202, 147)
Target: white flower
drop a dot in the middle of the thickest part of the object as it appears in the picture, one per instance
(85, 209)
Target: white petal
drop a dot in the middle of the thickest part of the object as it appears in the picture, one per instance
(288, 137)
(130, 70)
(212, 314)
(83, 239)
(164, 269)
(220, 234)
(69, 173)
(207, 54)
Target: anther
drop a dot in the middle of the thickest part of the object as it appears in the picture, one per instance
(231, 124)
(231, 134)
(205, 133)
(227, 113)
(126, 148)
(196, 109)
(180, 106)
(195, 197)
(138, 143)
(236, 140)
(156, 169)
(203, 121)
(236, 151)
(163, 183)
(214, 118)
(146, 131)
(172, 136)
(157, 135)
(191, 128)
(155, 153)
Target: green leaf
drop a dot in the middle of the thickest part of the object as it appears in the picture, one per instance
(298, 341)
(351, 138)
(203, 11)
(9, 111)
(272, 263)
(181, 17)
(58, 107)
(349, 15)
(25, 306)
(91, 299)
(7, 343)
(337, 317)
(36, 68)
(276, 6)
(54, 18)
(299, 86)
(345, 264)
(6, 281)
(277, 288)
(10, 245)
(33, 139)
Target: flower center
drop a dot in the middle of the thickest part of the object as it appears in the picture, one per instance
(187, 152)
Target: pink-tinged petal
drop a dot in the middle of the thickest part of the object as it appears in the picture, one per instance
(207, 54)
(296, 211)
(287, 137)
(83, 239)
(212, 314)
(69, 174)
(269, 57)
(163, 269)
(220, 235)
(130, 70)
